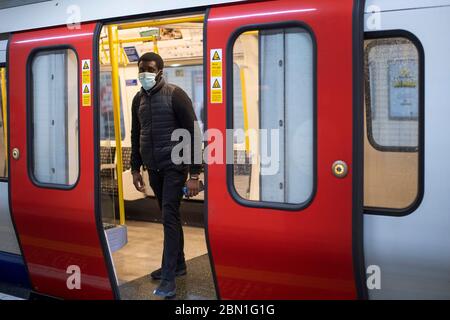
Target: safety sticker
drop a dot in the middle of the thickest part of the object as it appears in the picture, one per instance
(216, 63)
(86, 82)
(216, 84)
(216, 75)
(216, 90)
(86, 94)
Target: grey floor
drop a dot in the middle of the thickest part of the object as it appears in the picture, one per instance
(142, 255)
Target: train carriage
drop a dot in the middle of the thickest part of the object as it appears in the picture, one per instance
(353, 206)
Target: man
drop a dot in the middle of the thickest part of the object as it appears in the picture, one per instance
(158, 109)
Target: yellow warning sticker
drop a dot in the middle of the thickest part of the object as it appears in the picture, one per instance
(216, 90)
(216, 75)
(216, 84)
(216, 96)
(217, 55)
(86, 82)
(86, 78)
(216, 63)
(86, 101)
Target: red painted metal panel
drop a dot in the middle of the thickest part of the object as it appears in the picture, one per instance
(56, 228)
(270, 253)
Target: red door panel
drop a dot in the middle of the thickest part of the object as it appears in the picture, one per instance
(270, 253)
(56, 228)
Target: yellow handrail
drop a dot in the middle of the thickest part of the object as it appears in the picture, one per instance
(3, 93)
(141, 39)
(123, 58)
(143, 24)
(250, 33)
(245, 109)
(112, 34)
(105, 57)
(155, 45)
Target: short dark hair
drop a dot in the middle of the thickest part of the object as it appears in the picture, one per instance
(151, 56)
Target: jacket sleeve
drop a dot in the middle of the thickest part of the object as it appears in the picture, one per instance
(136, 160)
(187, 119)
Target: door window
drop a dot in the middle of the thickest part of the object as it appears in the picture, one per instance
(54, 117)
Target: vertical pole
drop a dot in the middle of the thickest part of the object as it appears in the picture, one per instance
(5, 124)
(106, 58)
(155, 45)
(245, 109)
(113, 53)
(124, 56)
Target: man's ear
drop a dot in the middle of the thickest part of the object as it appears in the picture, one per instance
(159, 75)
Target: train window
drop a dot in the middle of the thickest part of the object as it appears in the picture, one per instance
(393, 122)
(54, 117)
(3, 126)
(190, 79)
(273, 116)
(106, 108)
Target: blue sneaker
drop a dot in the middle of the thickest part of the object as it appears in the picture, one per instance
(166, 289)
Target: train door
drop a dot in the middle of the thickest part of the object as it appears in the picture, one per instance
(285, 211)
(406, 150)
(52, 167)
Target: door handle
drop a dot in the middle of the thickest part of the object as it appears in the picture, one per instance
(340, 169)
(16, 153)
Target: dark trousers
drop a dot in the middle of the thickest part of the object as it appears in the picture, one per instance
(167, 185)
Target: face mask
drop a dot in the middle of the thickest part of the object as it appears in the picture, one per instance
(147, 80)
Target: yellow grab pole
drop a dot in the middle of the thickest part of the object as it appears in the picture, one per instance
(124, 56)
(155, 45)
(102, 45)
(119, 53)
(119, 47)
(5, 127)
(245, 109)
(112, 34)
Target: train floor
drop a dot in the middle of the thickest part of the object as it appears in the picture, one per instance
(143, 253)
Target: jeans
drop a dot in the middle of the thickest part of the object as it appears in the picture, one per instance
(167, 185)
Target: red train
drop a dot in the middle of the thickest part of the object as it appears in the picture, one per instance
(311, 230)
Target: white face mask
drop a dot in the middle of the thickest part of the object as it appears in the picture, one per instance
(147, 80)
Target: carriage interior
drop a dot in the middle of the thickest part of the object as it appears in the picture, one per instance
(135, 235)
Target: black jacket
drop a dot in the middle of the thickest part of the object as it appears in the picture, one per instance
(155, 115)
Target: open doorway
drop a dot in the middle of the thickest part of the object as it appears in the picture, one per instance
(135, 233)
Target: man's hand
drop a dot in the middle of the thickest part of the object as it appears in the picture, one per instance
(138, 182)
(193, 187)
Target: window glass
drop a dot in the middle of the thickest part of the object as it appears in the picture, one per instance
(273, 88)
(392, 119)
(106, 109)
(190, 79)
(393, 111)
(54, 115)
(3, 125)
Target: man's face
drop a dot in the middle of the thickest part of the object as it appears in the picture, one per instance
(149, 66)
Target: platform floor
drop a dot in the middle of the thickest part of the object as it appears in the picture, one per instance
(143, 254)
